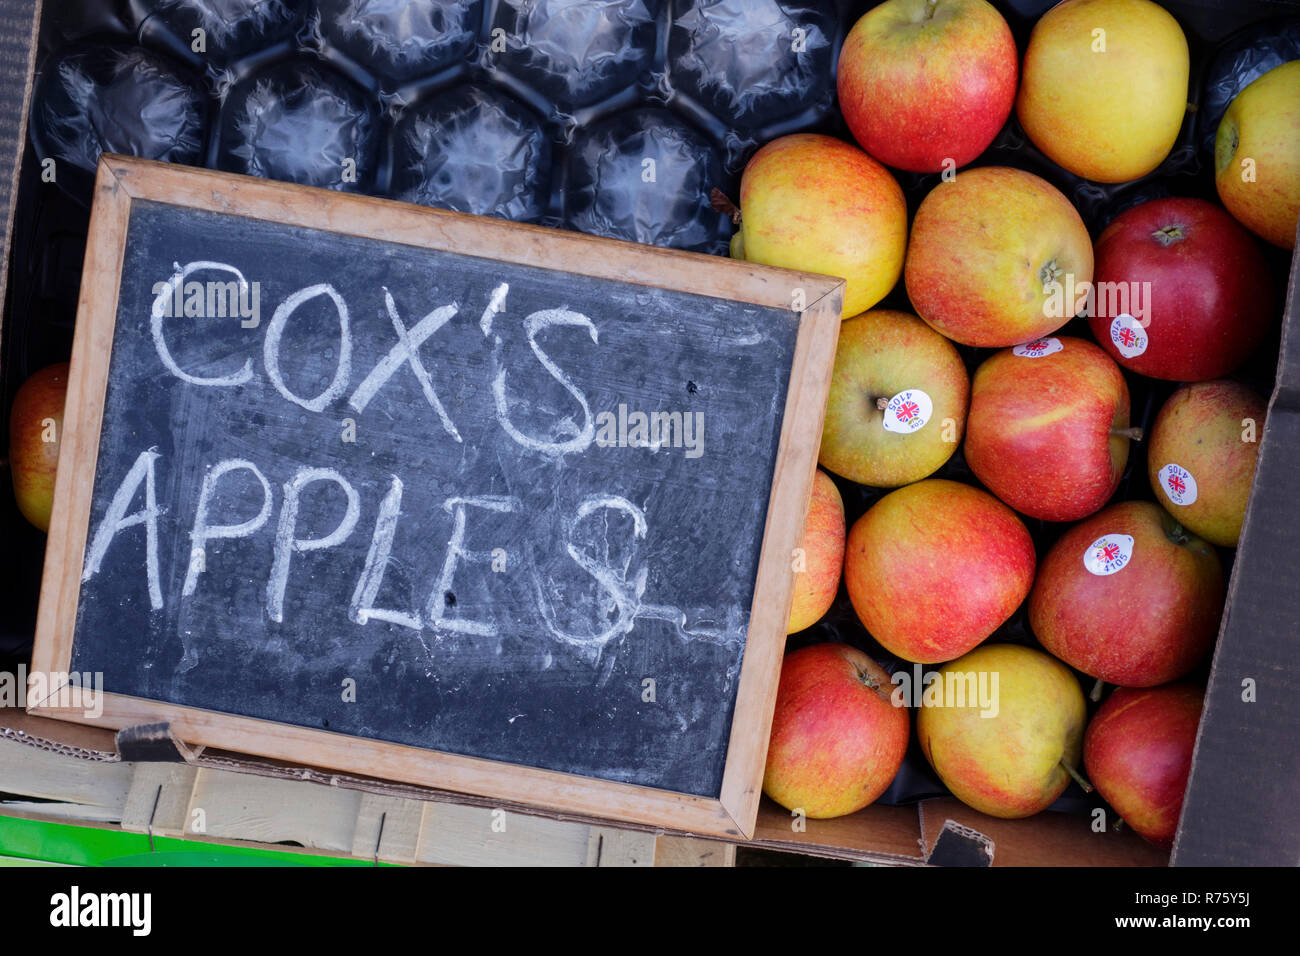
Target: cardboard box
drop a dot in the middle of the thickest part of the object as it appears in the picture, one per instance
(1238, 808)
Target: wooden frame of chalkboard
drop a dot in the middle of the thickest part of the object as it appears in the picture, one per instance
(122, 181)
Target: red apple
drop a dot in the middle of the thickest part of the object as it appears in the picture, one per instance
(837, 740)
(1201, 457)
(1138, 754)
(1048, 427)
(820, 559)
(989, 253)
(1182, 290)
(1129, 596)
(35, 428)
(928, 82)
(934, 568)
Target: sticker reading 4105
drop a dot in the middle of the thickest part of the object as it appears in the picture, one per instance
(1108, 554)
(1038, 348)
(908, 411)
(1128, 336)
(1178, 484)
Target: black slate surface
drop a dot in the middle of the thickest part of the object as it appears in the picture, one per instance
(578, 572)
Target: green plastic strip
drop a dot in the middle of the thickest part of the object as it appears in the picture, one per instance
(39, 841)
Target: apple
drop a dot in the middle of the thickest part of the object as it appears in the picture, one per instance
(1201, 457)
(1016, 758)
(1182, 291)
(35, 428)
(837, 740)
(1048, 430)
(817, 575)
(1138, 754)
(1128, 596)
(986, 251)
(927, 83)
(897, 401)
(934, 568)
(818, 204)
(1104, 87)
(1257, 155)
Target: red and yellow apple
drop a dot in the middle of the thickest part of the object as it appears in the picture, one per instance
(837, 740)
(924, 83)
(897, 403)
(1128, 596)
(1138, 754)
(35, 429)
(1182, 291)
(821, 555)
(818, 204)
(935, 567)
(1257, 155)
(1048, 427)
(1201, 457)
(988, 253)
(1104, 87)
(1015, 759)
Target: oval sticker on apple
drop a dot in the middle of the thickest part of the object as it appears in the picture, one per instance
(1127, 335)
(1108, 554)
(1038, 348)
(1178, 484)
(908, 411)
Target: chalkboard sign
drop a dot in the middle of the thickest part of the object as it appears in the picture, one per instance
(432, 497)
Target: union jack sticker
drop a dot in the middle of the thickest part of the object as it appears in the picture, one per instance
(1108, 554)
(1177, 483)
(1128, 335)
(908, 411)
(1038, 348)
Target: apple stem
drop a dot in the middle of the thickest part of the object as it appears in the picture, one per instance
(722, 203)
(1095, 695)
(1119, 824)
(1049, 273)
(1134, 434)
(1078, 777)
(882, 403)
(1168, 235)
(867, 679)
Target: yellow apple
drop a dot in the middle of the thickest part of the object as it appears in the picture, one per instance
(821, 555)
(989, 256)
(890, 363)
(1011, 754)
(1257, 155)
(818, 204)
(1104, 87)
(1201, 457)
